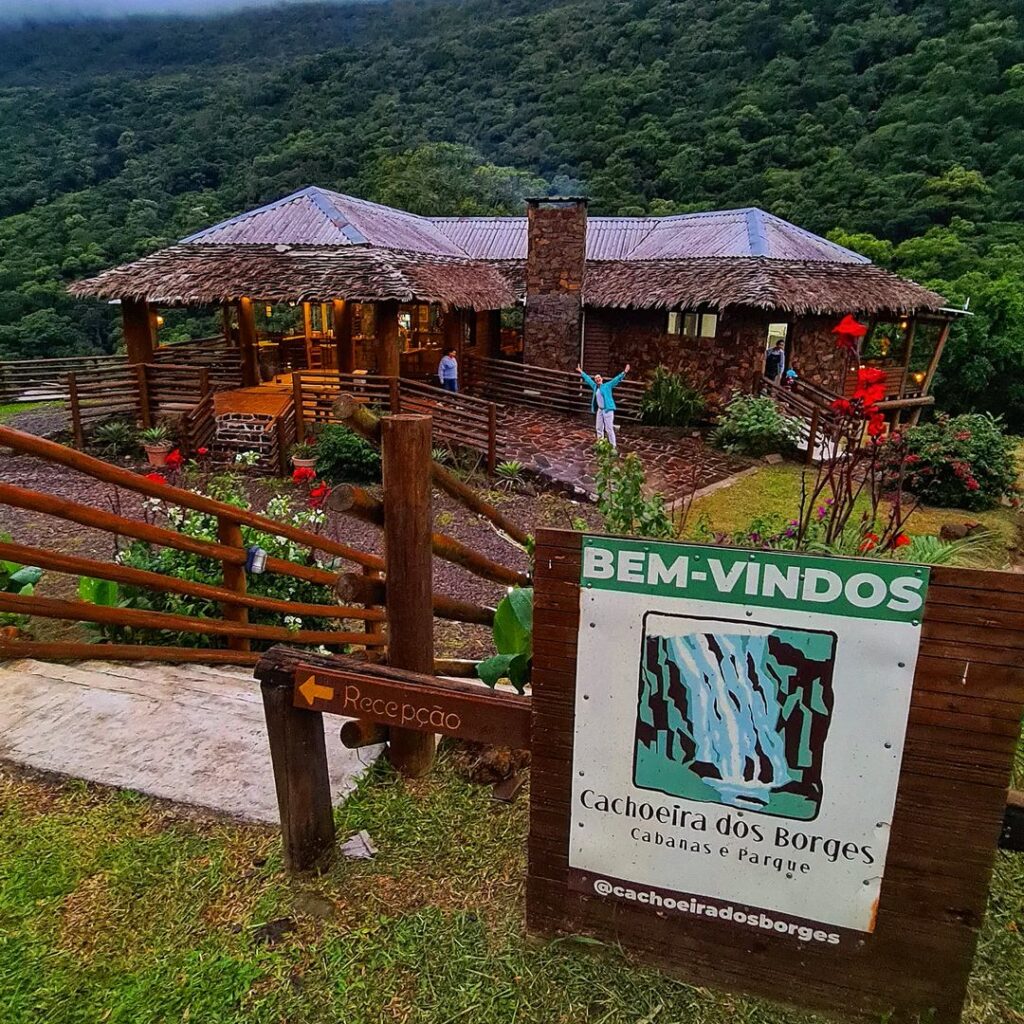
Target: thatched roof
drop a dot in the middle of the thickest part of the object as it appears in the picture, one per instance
(210, 273)
(791, 286)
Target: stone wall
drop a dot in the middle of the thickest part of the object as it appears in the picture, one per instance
(555, 263)
(729, 361)
(812, 351)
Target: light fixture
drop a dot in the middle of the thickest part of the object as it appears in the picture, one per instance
(919, 377)
(159, 321)
(269, 310)
(904, 324)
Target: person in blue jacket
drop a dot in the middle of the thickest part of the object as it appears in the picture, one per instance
(603, 403)
(448, 370)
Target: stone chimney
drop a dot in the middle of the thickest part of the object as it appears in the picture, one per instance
(555, 263)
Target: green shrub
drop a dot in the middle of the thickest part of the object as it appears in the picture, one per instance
(342, 456)
(620, 482)
(956, 462)
(670, 400)
(200, 569)
(116, 439)
(754, 425)
(513, 640)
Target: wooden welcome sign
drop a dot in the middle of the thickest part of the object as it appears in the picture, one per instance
(770, 772)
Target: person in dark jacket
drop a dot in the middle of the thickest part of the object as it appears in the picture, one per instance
(775, 362)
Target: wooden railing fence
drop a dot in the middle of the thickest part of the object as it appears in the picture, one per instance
(46, 380)
(458, 419)
(365, 590)
(513, 383)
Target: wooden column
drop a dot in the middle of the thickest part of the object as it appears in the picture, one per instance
(388, 363)
(225, 317)
(343, 336)
(139, 325)
(405, 452)
(299, 756)
(453, 331)
(933, 365)
(230, 533)
(247, 342)
(908, 351)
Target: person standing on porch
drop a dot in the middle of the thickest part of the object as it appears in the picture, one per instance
(775, 362)
(448, 370)
(603, 402)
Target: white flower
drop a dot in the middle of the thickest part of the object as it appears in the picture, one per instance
(292, 623)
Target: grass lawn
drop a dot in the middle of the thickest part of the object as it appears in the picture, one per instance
(118, 909)
(13, 408)
(775, 491)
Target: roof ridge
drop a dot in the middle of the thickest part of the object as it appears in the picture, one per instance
(239, 217)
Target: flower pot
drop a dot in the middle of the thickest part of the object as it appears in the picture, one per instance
(304, 463)
(157, 453)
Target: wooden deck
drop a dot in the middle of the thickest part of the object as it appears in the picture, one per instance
(265, 400)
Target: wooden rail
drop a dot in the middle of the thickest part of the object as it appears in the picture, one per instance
(458, 419)
(539, 387)
(232, 626)
(46, 380)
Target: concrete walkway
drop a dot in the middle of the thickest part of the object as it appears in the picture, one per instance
(189, 733)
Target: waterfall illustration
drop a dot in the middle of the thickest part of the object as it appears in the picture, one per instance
(738, 715)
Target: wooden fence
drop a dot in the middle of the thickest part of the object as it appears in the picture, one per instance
(505, 381)
(458, 419)
(46, 380)
(354, 576)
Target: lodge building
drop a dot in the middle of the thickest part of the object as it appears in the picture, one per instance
(320, 280)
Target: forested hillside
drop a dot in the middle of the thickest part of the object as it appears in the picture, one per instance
(898, 127)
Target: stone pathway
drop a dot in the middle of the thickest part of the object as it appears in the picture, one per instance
(559, 450)
(189, 733)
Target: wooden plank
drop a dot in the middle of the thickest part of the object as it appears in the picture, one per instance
(415, 701)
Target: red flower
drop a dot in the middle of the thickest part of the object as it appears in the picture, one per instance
(842, 406)
(201, 452)
(318, 494)
(847, 333)
(175, 459)
(869, 543)
(901, 541)
(876, 424)
(303, 474)
(972, 484)
(869, 375)
(157, 478)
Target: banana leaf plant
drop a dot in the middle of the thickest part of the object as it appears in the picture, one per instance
(513, 638)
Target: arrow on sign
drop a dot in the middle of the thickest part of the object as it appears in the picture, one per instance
(311, 690)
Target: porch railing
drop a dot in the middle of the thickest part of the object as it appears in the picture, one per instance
(458, 419)
(540, 387)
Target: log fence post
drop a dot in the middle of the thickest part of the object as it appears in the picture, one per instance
(300, 423)
(298, 753)
(394, 396)
(76, 411)
(230, 533)
(145, 412)
(812, 434)
(405, 451)
(492, 439)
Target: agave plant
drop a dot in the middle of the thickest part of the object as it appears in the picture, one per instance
(509, 474)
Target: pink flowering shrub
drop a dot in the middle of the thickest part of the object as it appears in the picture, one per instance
(956, 462)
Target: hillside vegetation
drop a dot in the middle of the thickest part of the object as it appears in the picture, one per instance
(895, 127)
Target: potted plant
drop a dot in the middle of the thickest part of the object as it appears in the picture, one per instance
(304, 455)
(157, 443)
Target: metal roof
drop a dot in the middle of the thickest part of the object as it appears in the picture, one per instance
(316, 216)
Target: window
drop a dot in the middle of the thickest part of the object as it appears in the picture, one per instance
(693, 325)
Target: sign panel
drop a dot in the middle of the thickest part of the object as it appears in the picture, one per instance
(411, 701)
(739, 726)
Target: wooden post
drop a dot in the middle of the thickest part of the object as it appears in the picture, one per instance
(933, 365)
(76, 411)
(204, 381)
(145, 411)
(230, 533)
(247, 343)
(812, 433)
(388, 363)
(394, 396)
(299, 756)
(405, 451)
(453, 331)
(492, 438)
(908, 351)
(138, 324)
(300, 420)
(343, 336)
(225, 317)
